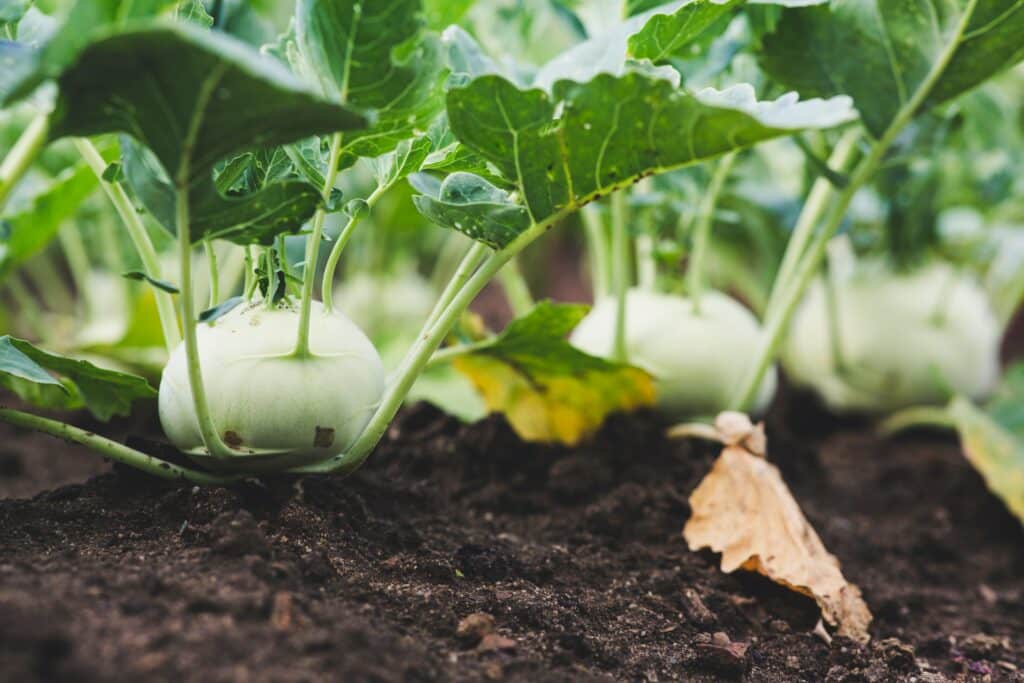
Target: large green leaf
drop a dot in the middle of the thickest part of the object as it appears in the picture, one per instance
(374, 56)
(84, 21)
(882, 52)
(564, 149)
(23, 369)
(193, 97)
(546, 388)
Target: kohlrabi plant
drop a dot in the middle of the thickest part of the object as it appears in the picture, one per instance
(274, 158)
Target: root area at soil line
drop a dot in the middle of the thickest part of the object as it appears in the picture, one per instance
(461, 554)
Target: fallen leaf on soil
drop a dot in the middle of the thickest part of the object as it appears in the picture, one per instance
(744, 510)
(549, 390)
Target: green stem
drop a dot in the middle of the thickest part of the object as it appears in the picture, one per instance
(110, 449)
(919, 416)
(474, 256)
(817, 201)
(232, 270)
(211, 261)
(600, 252)
(327, 284)
(811, 261)
(450, 353)
(50, 284)
(835, 331)
(313, 249)
(696, 271)
(77, 257)
(940, 308)
(620, 272)
(516, 290)
(21, 156)
(27, 306)
(139, 237)
(646, 265)
(250, 274)
(211, 438)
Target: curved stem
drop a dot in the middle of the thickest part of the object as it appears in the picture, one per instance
(211, 438)
(21, 156)
(450, 353)
(211, 261)
(313, 249)
(139, 237)
(810, 262)
(920, 416)
(110, 449)
(695, 272)
(327, 284)
(817, 201)
(620, 272)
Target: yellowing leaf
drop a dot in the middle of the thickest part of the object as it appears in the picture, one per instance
(744, 510)
(994, 450)
(547, 389)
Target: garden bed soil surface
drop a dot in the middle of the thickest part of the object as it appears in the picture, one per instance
(459, 553)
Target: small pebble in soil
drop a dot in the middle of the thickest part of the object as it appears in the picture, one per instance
(719, 654)
(984, 646)
(473, 628)
(897, 654)
(696, 611)
(495, 642)
(237, 534)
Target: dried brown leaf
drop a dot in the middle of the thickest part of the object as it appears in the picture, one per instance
(744, 510)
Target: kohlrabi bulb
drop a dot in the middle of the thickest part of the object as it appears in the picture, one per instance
(697, 360)
(905, 338)
(282, 409)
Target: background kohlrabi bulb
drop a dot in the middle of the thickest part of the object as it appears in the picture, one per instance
(906, 338)
(697, 361)
(264, 400)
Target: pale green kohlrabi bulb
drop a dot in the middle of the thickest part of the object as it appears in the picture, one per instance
(283, 411)
(906, 339)
(697, 360)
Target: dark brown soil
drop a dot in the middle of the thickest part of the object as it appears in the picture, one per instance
(575, 556)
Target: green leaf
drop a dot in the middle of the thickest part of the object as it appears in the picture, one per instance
(34, 225)
(547, 389)
(192, 97)
(407, 157)
(993, 439)
(211, 314)
(668, 35)
(255, 217)
(471, 205)
(374, 56)
(587, 139)
(442, 13)
(159, 284)
(23, 369)
(881, 53)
